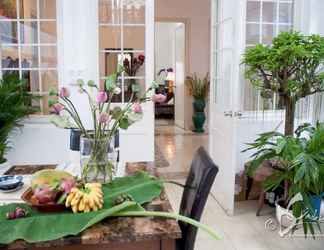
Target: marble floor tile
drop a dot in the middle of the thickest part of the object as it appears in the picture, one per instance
(243, 231)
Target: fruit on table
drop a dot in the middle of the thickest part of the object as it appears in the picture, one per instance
(85, 199)
(45, 194)
(18, 213)
(49, 177)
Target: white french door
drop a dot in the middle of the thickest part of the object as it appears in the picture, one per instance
(179, 45)
(225, 96)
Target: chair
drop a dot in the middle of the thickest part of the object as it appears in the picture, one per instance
(199, 182)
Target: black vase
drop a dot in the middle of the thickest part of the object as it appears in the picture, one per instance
(75, 135)
(199, 116)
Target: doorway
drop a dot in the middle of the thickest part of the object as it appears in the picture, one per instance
(170, 72)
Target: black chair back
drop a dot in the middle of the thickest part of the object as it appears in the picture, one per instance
(197, 188)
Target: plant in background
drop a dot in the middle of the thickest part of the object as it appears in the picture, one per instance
(131, 68)
(97, 155)
(301, 160)
(292, 68)
(15, 104)
(199, 89)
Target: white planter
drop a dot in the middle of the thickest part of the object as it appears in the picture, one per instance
(284, 216)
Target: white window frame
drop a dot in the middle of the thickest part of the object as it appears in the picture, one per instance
(276, 24)
(38, 45)
(122, 25)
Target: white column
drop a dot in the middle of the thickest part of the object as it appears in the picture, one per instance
(77, 48)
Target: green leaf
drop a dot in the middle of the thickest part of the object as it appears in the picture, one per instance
(110, 82)
(53, 92)
(34, 228)
(124, 124)
(136, 88)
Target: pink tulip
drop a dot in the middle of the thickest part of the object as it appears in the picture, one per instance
(102, 97)
(159, 98)
(57, 108)
(64, 92)
(137, 108)
(104, 118)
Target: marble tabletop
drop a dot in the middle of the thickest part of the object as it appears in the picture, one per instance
(118, 230)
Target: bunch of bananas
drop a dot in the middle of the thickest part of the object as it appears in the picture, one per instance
(86, 199)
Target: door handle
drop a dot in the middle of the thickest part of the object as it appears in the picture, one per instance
(228, 113)
(238, 114)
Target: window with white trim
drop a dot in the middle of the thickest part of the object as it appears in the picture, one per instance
(28, 45)
(265, 19)
(122, 42)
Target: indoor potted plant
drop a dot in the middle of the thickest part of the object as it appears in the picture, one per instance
(301, 159)
(15, 104)
(97, 155)
(291, 69)
(199, 89)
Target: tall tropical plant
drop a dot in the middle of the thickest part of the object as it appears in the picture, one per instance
(15, 104)
(198, 88)
(291, 67)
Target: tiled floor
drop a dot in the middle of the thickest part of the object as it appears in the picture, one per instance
(243, 230)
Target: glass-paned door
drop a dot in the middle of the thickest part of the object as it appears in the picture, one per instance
(122, 32)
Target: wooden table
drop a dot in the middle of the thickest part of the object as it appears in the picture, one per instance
(120, 233)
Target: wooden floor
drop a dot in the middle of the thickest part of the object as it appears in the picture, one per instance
(243, 231)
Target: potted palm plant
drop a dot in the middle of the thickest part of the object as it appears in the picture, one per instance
(198, 89)
(301, 159)
(15, 104)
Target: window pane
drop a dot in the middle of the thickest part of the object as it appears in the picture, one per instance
(253, 11)
(47, 32)
(252, 34)
(6, 72)
(49, 80)
(9, 57)
(8, 32)
(110, 37)
(32, 78)
(48, 57)
(47, 9)
(28, 9)
(284, 28)
(108, 63)
(269, 12)
(109, 11)
(134, 64)
(29, 57)
(268, 33)
(8, 9)
(28, 32)
(285, 13)
(134, 38)
(134, 11)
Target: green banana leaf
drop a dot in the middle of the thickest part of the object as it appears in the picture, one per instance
(50, 226)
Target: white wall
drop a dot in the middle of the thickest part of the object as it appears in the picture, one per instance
(164, 45)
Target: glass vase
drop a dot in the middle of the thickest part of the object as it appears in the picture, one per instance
(98, 159)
